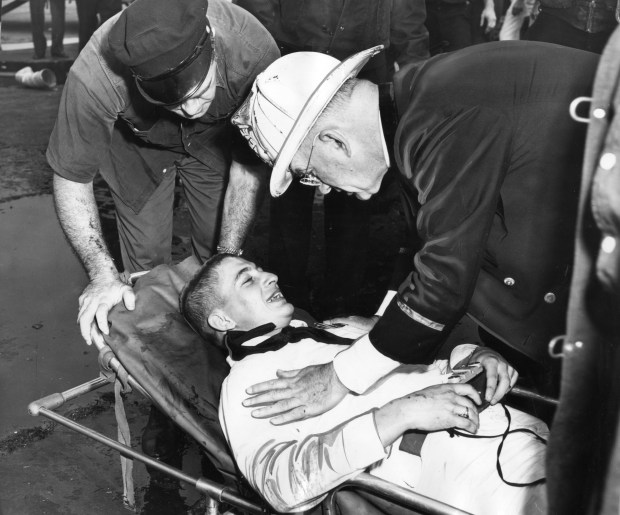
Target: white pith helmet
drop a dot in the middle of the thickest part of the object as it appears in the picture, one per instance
(285, 102)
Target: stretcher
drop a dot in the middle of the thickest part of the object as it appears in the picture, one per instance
(154, 352)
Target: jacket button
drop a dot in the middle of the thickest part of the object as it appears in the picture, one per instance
(608, 161)
(599, 113)
(549, 298)
(509, 281)
(341, 27)
(608, 244)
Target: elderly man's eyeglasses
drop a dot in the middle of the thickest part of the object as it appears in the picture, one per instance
(307, 178)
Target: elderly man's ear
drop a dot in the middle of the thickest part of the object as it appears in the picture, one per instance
(220, 321)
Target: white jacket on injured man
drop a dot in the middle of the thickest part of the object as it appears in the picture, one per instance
(293, 466)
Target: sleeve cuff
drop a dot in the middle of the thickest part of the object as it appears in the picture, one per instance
(361, 365)
(362, 443)
(386, 301)
(460, 353)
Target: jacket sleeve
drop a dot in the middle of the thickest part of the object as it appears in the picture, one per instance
(294, 473)
(454, 166)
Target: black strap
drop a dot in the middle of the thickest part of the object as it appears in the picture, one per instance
(235, 339)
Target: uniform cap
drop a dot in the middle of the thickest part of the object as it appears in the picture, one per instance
(167, 44)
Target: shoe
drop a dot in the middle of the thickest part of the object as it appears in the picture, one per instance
(36, 57)
(60, 55)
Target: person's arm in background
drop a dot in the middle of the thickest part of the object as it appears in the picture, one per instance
(249, 176)
(78, 144)
(79, 218)
(244, 195)
(488, 18)
(408, 35)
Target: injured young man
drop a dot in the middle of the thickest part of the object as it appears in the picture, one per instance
(414, 428)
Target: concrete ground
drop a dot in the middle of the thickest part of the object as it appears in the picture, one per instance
(45, 469)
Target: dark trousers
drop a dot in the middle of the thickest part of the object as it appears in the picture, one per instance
(551, 29)
(92, 13)
(37, 20)
(452, 26)
(346, 240)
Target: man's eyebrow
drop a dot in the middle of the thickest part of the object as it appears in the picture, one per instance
(241, 272)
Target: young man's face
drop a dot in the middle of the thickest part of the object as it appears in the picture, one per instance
(251, 295)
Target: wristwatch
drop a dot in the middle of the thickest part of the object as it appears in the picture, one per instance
(229, 250)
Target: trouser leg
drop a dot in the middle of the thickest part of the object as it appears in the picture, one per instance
(204, 189)
(87, 20)
(37, 23)
(146, 237)
(108, 8)
(289, 241)
(57, 8)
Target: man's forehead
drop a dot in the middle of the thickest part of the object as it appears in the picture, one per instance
(235, 266)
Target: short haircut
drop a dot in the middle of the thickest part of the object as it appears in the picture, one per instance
(340, 99)
(201, 295)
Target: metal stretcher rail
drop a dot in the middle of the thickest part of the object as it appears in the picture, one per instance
(216, 492)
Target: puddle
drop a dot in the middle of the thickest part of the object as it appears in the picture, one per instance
(41, 351)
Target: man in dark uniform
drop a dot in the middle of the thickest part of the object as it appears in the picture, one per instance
(149, 98)
(490, 163)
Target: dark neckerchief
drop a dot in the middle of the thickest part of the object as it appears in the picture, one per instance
(235, 339)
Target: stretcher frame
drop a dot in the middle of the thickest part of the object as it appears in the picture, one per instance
(217, 493)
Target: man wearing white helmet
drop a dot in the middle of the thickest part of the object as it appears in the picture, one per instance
(490, 173)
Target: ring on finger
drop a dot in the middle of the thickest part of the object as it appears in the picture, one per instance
(466, 414)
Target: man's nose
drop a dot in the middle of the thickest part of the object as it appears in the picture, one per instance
(269, 278)
(190, 107)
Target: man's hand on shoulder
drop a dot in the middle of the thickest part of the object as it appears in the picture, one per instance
(501, 376)
(97, 299)
(296, 394)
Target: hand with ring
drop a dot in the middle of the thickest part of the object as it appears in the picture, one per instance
(438, 407)
(466, 414)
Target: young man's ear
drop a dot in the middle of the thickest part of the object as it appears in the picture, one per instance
(220, 321)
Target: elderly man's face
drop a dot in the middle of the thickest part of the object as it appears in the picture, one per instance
(198, 104)
(252, 296)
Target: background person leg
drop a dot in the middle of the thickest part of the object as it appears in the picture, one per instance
(57, 8)
(37, 23)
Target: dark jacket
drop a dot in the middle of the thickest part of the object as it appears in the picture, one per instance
(588, 15)
(490, 163)
(344, 27)
(583, 462)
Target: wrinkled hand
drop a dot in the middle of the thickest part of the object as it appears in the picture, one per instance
(97, 299)
(362, 323)
(296, 394)
(501, 377)
(442, 407)
(489, 18)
